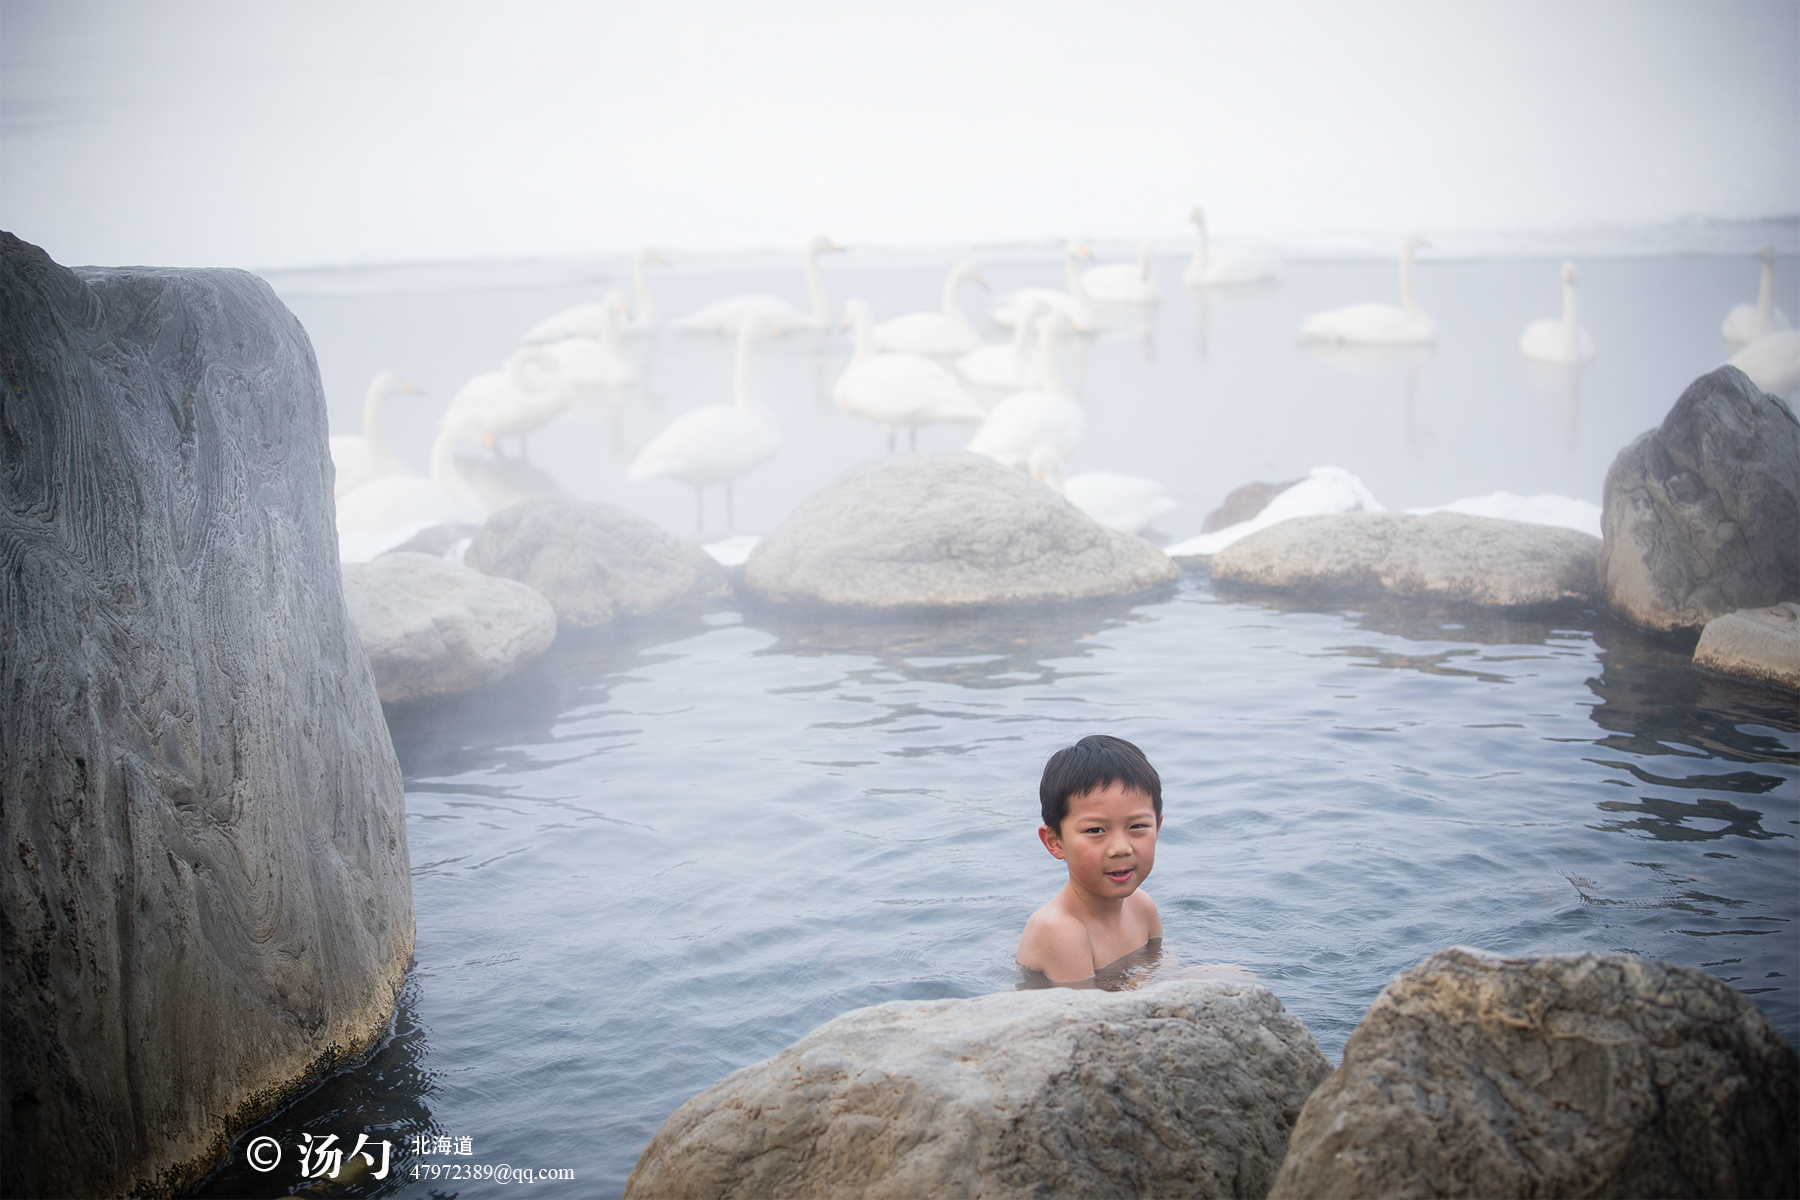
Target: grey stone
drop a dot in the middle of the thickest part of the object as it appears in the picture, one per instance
(1754, 643)
(1186, 1088)
(946, 531)
(1242, 504)
(594, 562)
(1560, 1075)
(1478, 560)
(1701, 515)
(206, 896)
(432, 627)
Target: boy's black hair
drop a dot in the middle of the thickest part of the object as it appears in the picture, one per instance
(1095, 762)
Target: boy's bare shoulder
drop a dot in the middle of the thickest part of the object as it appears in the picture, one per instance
(1057, 943)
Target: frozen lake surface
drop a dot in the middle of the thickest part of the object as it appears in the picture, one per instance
(666, 852)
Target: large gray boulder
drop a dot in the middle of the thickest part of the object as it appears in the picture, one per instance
(432, 627)
(946, 531)
(1701, 515)
(206, 895)
(1478, 560)
(1186, 1088)
(594, 562)
(1561, 1075)
(1762, 644)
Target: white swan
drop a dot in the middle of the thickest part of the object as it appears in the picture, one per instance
(1073, 304)
(1123, 283)
(1009, 366)
(1035, 430)
(1209, 269)
(360, 459)
(589, 320)
(943, 333)
(1559, 340)
(1747, 322)
(1127, 503)
(591, 362)
(896, 388)
(715, 443)
(527, 393)
(401, 501)
(1772, 362)
(766, 311)
(1324, 490)
(1378, 324)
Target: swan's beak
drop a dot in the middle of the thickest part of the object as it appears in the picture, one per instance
(834, 248)
(977, 277)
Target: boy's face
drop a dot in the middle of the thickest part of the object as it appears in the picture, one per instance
(1108, 839)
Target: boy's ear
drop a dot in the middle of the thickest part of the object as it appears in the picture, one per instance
(1052, 843)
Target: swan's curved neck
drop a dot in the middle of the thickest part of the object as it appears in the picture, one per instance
(609, 328)
(1765, 293)
(1049, 378)
(864, 328)
(1571, 321)
(1144, 262)
(1022, 333)
(953, 298)
(743, 390)
(640, 292)
(373, 438)
(1202, 251)
(815, 288)
(450, 480)
(1073, 275)
(1408, 298)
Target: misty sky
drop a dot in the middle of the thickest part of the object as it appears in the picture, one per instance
(266, 134)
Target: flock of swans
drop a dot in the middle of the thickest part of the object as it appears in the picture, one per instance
(911, 370)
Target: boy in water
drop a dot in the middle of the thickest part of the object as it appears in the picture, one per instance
(1102, 809)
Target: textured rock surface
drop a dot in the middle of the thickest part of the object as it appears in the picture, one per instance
(1186, 1088)
(1563, 1075)
(1480, 560)
(207, 898)
(434, 628)
(946, 531)
(594, 562)
(1702, 514)
(1754, 643)
(1243, 503)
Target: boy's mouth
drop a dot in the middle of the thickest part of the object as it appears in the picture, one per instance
(1121, 876)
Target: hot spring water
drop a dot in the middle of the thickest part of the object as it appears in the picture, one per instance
(665, 852)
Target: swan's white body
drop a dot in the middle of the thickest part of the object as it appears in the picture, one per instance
(1772, 362)
(596, 362)
(1127, 503)
(1074, 304)
(1208, 268)
(766, 311)
(715, 443)
(1747, 322)
(361, 459)
(1324, 490)
(398, 501)
(942, 333)
(589, 320)
(896, 388)
(526, 395)
(1559, 339)
(1009, 366)
(1035, 430)
(1123, 283)
(1378, 324)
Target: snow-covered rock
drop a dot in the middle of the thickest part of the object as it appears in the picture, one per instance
(1543, 509)
(1325, 490)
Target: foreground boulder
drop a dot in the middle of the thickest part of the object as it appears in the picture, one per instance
(1478, 560)
(432, 627)
(1702, 513)
(594, 562)
(946, 531)
(1185, 1088)
(207, 900)
(1562, 1075)
(1754, 643)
